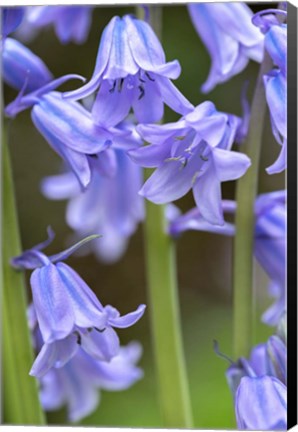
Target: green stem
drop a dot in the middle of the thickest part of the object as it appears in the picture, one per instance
(164, 305)
(245, 222)
(165, 321)
(21, 401)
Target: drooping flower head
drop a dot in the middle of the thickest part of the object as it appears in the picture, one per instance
(259, 388)
(67, 126)
(269, 245)
(229, 36)
(131, 71)
(71, 23)
(110, 205)
(276, 80)
(67, 311)
(76, 381)
(193, 153)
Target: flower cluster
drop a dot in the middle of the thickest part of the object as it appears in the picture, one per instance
(106, 132)
(70, 322)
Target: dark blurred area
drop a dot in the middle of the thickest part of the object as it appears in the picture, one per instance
(204, 260)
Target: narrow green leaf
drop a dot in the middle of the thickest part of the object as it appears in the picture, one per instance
(20, 390)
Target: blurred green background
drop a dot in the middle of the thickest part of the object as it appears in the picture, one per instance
(204, 260)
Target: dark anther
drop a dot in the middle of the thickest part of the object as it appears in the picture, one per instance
(120, 84)
(142, 92)
(89, 329)
(79, 339)
(113, 88)
(99, 330)
(142, 80)
(204, 158)
(94, 156)
(149, 77)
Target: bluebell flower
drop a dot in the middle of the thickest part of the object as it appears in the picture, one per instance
(71, 23)
(193, 153)
(110, 205)
(11, 19)
(21, 66)
(78, 383)
(259, 387)
(66, 306)
(276, 80)
(269, 246)
(67, 126)
(131, 71)
(229, 36)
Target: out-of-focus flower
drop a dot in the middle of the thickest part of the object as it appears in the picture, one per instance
(270, 241)
(77, 381)
(109, 206)
(131, 71)
(229, 36)
(66, 306)
(67, 126)
(20, 65)
(193, 153)
(259, 387)
(11, 19)
(276, 80)
(71, 23)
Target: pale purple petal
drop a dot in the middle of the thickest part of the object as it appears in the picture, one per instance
(261, 404)
(230, 165)
(125, 320)
(54, 311)
(60, 187)
(101, 345)
(207, 195)
(172, 96)
(149, 107)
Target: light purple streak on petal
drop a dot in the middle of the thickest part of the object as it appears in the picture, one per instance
(276, 45)
(193, 220)
(281, 162)
(128, 319)
(145, 46)
(261, 404)
(230, 165)
(111, 107)
(276, 95)
(121, 62)
(40, 16)
(151, 156)
(87, 308)
(101, 346)
(71, 124)
(148, 108)
(60, 187)
(51, 301)
(157, 134)
(19, 63)
(207, 195)
(169, 70)
(277, 358)
(173, 97)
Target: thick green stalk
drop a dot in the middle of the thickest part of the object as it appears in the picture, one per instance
(245, 222)
(165, 321)
(164, 306)
(20, 392)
